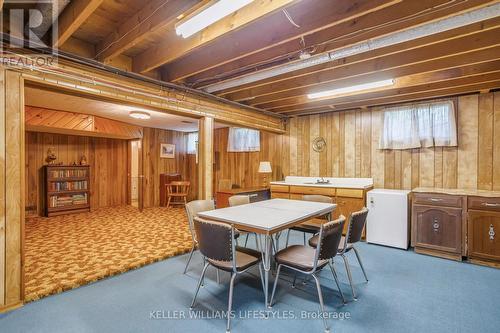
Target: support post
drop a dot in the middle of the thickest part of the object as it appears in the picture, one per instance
(205, 158)
(11, 189)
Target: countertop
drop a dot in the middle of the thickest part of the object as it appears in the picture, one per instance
(471, 192)
(354, 183)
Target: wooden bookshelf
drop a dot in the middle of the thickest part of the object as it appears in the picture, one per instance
(67, 189)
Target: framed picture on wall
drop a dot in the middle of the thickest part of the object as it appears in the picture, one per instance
(167, 150)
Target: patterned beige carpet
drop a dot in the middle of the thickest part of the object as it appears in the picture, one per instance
(68, 251)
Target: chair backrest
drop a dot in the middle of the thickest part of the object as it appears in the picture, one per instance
(357, 222)
(237, 200)
(178, 187)
(192, 210)
(215, 239)
(329, 238)
(317, 198)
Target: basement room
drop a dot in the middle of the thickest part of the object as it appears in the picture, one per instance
(250, 166)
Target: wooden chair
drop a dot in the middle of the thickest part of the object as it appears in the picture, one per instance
(178, 190)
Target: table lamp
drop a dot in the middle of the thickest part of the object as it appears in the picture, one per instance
(265, 168)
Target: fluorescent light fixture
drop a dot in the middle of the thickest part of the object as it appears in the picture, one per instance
(208, 16)
(346, 90)
(139, 115)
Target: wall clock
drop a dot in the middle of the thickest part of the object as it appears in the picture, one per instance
(319, 144)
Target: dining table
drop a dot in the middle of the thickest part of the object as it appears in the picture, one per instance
(267, 219)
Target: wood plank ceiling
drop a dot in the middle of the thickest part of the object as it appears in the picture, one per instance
(139, 36)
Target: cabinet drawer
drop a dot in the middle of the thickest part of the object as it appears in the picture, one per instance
(483, 203)
(349, 193)
(313, 190)
(437, 199)
(280, 188)
(438, 228)
(277, 195)
(484, 235)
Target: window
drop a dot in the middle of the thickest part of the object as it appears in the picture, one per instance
(419, 125)
(243, 139)
(192, 143)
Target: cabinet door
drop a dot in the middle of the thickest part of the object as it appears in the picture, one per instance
(438, 228)
(346, 206)
(484, 235)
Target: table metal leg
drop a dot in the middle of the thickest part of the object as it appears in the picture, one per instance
(266, 260)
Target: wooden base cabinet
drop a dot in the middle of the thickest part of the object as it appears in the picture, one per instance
(457, 223)
(484, 235)
(438, 228)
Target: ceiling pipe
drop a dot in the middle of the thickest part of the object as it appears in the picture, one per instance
(421, 31)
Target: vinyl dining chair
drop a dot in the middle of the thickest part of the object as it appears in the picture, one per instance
(355, 228)
(238, 200)
(312, 226)
(217, 244)
(192, 210)
(307, 260)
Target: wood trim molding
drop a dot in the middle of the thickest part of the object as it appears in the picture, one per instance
(85, 81)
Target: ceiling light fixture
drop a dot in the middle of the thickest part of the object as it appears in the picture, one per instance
(139, 115)
(208, 16)
(346, 90)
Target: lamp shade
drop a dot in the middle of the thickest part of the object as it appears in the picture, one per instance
(265, 167)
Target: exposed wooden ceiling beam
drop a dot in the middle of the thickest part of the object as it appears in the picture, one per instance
(401, 15)
(72, 18)
(173, 46)
(455, 61)
(400, 82)
(388, 100)
(311, 16)
(325, 72)
(156, 15)
(444, 55)
(431, 89)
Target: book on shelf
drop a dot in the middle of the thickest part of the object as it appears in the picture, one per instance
(67, 185)
(68, 173)
(68, 200)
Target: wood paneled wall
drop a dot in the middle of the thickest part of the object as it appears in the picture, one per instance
(154, 165)
(107, 159)
(352, 150)
(241, 168)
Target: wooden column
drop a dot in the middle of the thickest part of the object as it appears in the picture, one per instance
(11, 188)
(205, 158)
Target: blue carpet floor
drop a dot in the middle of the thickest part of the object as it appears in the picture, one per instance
(407, 293)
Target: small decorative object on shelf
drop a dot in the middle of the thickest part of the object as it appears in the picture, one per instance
(51, 156)
(67, 189)
(83, 160)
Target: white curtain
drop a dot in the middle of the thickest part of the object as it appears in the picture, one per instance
(192, 143)
(243, 139)
(419, 125)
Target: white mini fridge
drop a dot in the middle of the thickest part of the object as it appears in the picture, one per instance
(387, 222)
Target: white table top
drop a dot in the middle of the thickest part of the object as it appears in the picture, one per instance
(270, 215)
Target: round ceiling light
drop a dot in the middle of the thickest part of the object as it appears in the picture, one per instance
(139, 115)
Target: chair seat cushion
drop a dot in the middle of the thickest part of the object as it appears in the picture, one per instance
(313, 241)
(300, 257)
(245, 258)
